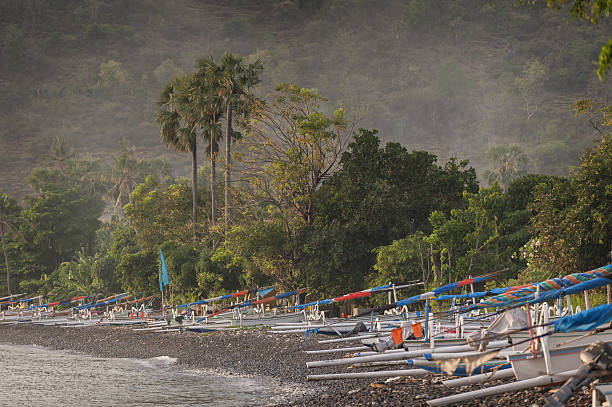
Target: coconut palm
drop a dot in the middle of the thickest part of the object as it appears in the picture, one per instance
(509, 163)
(77, 277)
(59, 154)
(234, 79)
(179, 122)
(125, 174)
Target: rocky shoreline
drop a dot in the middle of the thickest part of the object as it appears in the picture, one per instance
(259, 353)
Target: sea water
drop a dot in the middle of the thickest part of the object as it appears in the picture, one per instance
(35, 376)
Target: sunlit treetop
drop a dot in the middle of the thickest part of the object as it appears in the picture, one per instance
(590, 10)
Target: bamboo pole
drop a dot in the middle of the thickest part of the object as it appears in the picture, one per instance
(366, 375)
(587, 303)
(324, 351)
(351, 339)
(479, 378)
(389, 355)
(510, 387)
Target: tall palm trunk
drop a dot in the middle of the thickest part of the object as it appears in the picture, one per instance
(194, 188)
(8, 272)
(228, 162)
(213, 181)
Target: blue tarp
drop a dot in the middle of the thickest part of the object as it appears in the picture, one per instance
(467, 295)
(474, 295)
(440, 290)
(585, 320)
(310, 304)
(382, 287)
(445, 288)
(86, 306)
(407, 301)
(285, 295)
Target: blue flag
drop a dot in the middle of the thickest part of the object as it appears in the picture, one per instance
(165, 279)
(161, 286)
(265, 291)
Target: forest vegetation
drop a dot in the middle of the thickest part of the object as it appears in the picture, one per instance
(359, 142)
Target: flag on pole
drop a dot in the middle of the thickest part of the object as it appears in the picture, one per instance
(161, 284)
(164, 271)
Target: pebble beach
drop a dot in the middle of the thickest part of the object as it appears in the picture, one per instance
(256, 352)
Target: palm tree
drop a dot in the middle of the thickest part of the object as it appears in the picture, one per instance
(8, 211)
(179, 122)
(59, 154)
(79, 276)
(234, 80)
(125, 174)
(509, 163)
(205, 96)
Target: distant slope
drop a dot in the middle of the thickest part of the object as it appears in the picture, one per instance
(444, 76)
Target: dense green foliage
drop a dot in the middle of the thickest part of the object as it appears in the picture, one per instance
(380, 214)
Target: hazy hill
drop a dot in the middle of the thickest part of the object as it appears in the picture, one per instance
(452, 77)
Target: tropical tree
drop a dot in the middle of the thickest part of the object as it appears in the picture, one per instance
(235, 79)
(572, 226)
(530, 84)
(179, 123)
(9, 211)
(77, 277)
(125, 174)
(509, 163)
(205, 97)
(380, 194)
(60, 221)
(159, 214)
(592, 10)
(294, 147)
(59, 154)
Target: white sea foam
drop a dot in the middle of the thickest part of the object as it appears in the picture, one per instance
(166, 360)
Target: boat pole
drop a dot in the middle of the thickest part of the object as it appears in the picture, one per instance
(472, 291)
(479, 378)
(399, 354)
(587, 303)
(367, 375)
(531, 335)
(510, 387)
(426, 320)
(544, 339)
(334, 350)
(350, 339)
(609, 293)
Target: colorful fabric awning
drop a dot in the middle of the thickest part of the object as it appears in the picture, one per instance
(351, 296)
(444, 289)
(523, 293)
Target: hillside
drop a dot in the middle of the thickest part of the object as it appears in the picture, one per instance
(454, 78)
